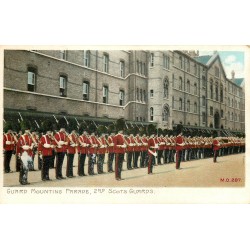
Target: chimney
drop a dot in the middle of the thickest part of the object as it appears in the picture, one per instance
(233, 74)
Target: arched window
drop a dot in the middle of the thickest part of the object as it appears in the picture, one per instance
(217, 92)
(180, 83)
(188, 86)
(228, 100)
(188, 106)
(232, 103)
(221, 94)
(151, 114)
(203, 101)
(180, 62)
(165, 113)
(173, 102)
(195, 88)
(165, 88)
(180, 104)
(211, 90)
(195, 107)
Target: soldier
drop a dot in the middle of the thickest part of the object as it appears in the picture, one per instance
(83, 151)
(18, 159)
(161, 144)
(35, 146)
(101, 150)
(111, 152)
(137, 149)
(92, 152)
(144, 155)
(45, 148)
(216, 146)
(130, 141)
(25, 153)
(71, 150)
(8, 146)
(152, 146)
(119, 146)
(179, 145)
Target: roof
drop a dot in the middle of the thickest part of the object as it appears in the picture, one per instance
(203, 59)
(238, 81)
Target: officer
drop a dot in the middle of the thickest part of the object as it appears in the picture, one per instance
(45, 148)
(179, 145)
(130, 141)
(152, 146)
(111, 152)
(216, 146)
(119, 146)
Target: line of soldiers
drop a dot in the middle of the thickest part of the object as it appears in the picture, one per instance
(142, 150)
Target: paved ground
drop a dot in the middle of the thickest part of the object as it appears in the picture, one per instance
(228, 172)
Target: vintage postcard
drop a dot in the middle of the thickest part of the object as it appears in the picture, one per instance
(124, 124)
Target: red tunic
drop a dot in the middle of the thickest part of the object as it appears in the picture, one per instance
(45, 139)
(8, 142)
(215, 144)
(138, 147)
(151, 145)
(24, 140)
(111, 144)
(130, 140)
(119, 141)
(102, 146)
(83, 144)
(179, 140)
(93, 144)
(145, 141)
(72, 144)
(60, 136)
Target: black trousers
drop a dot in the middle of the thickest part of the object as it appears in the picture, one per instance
(215, 155)
(91, 163)
(178, 158)
(45, 167)
(151, 162)
(81, 162)
(59, 163)
(69, 168)
(100, 162)
(110, 161)
(118, 165)
(137, 154)
(143, 162)
(159, 156)
(7, 158)
(129, 159)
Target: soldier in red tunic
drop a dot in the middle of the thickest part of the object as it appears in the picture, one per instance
(144, 155)
(61, 145)
(92, 151)
(216, 146)
(83, 151)
(8, 147)
(130, 141)
(179, 145)
(45, 148)
(137, 149)
(152, 146)
(119, 146)
(111, 152)
(101, 150)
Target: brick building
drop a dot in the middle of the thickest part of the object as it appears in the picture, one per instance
(163, 87)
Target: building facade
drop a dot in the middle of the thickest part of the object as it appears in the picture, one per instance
(161, 87)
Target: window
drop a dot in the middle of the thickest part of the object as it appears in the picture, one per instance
(31, 79)
(222, 113)
(195, 88)
(166, 61)
(203, 117)
(122, 68)
(203, 101)
(85, 90)
(121, 97)
(235, 104)
(188, 66)
(151, 114)
(105, 92)
(141, 95)
(232, 116)
(165, 88)
(143, 69)
(203, 81)
(195, 69)
(188, 86)
(86, 58)
(165, 113)
(63, 54)
(239, 117)
(151, 93)
(144, 95)
(217, 71)
(180, 62)
(180, 104)
(217, 92)
(195, 107)
(137, 95)
(211, 90)
(221, 94)
(63, 85)
(180, 83)
(232, 103)
(137, 118)
(173, 102)
(106, 63)
(173, 83)
(152, 60)
(140, 119)
(188, 106)
(211, 111)
(228, 100)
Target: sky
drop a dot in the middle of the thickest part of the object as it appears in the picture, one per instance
(231, 60)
